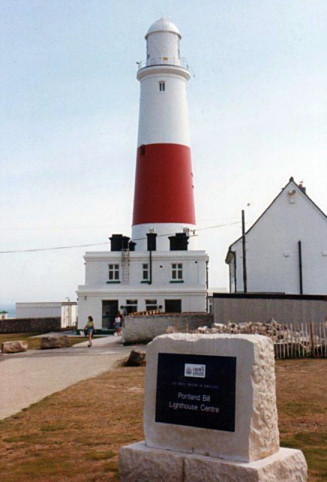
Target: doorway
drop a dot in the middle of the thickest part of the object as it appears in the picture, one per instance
(173, 306)
(109, 311)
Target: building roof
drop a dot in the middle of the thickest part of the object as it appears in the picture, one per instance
(163, 25)
(300, 188)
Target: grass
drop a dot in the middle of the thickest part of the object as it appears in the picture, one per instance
(302, 409)
(75, 435)
(34, 343)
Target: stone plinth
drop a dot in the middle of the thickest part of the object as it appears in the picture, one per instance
(255, 433)
(137, 462)
(210, 414)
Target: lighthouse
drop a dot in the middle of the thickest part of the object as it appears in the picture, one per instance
(158, 267)
(163, 198)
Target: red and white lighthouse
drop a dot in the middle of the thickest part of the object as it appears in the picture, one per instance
(163, 198)
(160, 269)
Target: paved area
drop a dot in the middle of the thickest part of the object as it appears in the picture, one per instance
(28, 377)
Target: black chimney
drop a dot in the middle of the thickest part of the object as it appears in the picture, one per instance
(152, 241)
(178, 242)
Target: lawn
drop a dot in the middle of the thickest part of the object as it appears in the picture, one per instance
(34, 343)
(75, 435)
(302, 411)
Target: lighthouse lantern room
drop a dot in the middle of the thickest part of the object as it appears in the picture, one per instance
(159, 267)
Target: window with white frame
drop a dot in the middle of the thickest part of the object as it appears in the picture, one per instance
(151, 305)
(131, 306)
(177, 272)
(145, 272)
(113, 272)
(162, 86)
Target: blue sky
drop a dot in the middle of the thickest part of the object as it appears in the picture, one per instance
(69, 114)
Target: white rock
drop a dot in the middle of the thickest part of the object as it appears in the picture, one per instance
(256, 429)
(14, 346)
(58, 341)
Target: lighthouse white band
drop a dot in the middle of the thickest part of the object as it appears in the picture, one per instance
(163, 114)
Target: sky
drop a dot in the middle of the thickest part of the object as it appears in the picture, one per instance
(69, 103)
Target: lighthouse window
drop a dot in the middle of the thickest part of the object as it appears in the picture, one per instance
(162, 86)
(145, 272)
(151, 305)
(177, 271)
(113, 272)
(131, 306)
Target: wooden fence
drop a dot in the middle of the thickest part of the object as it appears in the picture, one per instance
(302, 340)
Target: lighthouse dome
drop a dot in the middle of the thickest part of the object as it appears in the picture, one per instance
(163, 25)
(162, 42)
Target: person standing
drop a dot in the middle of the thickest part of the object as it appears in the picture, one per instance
(89, 330)
(117, 324)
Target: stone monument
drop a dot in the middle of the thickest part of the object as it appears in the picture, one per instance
(210, 414)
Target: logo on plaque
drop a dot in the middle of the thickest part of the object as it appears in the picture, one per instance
(196, 371)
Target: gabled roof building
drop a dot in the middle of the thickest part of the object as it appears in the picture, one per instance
(286, 248)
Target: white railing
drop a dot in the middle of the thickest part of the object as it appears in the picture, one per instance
(163, 61)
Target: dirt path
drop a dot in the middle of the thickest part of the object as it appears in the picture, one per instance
(29, 377)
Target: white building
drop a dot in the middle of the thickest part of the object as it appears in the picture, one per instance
(160, 268)
(286, 248)
(66, 310)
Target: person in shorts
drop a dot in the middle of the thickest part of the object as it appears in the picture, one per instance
(89, 327)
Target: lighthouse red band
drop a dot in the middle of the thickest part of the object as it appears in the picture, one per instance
(163, 187)
(163, 197)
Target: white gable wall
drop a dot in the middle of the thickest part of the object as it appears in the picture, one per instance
(272, 247)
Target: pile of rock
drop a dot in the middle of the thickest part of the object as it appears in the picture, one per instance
(287, 343)
(298, 340)
(272, 329)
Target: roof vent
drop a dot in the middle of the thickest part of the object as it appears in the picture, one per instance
(291, 196)
(303, 189)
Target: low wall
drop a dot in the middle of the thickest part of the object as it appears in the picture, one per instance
(240, 307)
(30, 325)
(142, 329)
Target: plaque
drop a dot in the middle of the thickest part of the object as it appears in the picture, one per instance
(196, 391)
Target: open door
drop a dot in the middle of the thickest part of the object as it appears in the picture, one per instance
(109, 311)
(173, 306)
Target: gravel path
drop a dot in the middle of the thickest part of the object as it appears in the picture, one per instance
(28, 377)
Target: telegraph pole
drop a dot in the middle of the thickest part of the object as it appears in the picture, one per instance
(245, 288)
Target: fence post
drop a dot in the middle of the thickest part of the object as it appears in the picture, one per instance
(313, 354)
